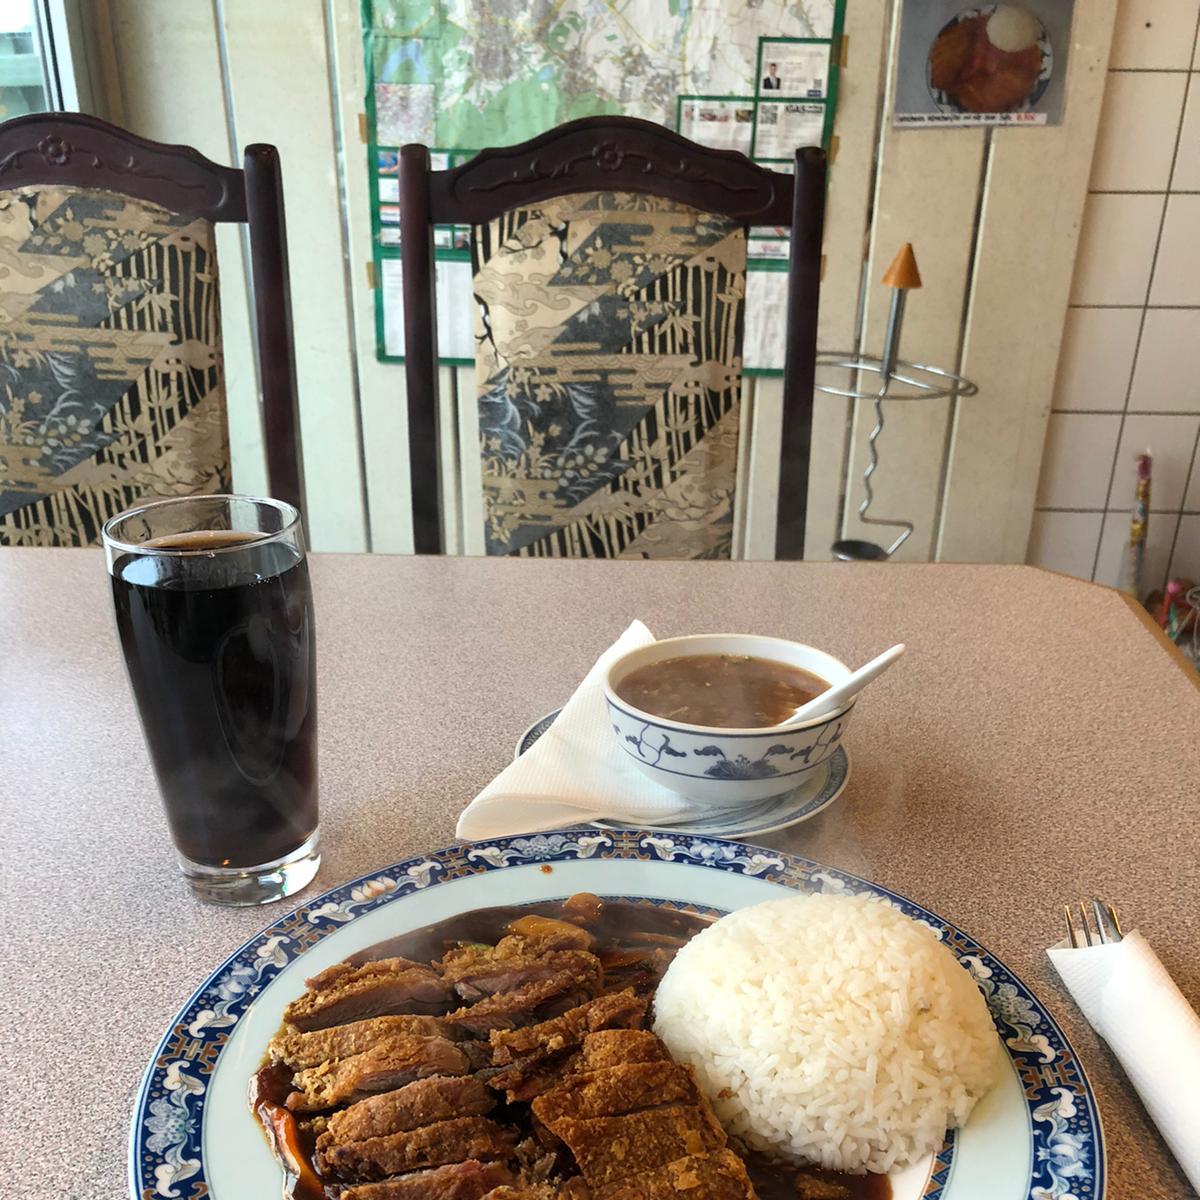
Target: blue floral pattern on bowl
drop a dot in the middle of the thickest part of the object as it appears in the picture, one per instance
(711, 764)
(166, 1146)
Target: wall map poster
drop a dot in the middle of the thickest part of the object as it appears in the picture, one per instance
(458, 76)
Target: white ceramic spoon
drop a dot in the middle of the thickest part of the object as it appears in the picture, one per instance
(834, 697)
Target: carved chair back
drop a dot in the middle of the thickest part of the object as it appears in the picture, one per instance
(111, 369)
(509, 197)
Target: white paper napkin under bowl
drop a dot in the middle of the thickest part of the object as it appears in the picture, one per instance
(575, 773)
(1134, 1005)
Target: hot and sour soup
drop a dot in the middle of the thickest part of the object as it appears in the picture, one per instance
(722, 691)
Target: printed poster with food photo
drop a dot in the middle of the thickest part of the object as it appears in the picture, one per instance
(725, 123)
(989, 64)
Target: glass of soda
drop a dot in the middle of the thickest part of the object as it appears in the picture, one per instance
(215, 618)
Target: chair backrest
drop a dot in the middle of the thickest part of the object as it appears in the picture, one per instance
(610, 154)
(73, 182)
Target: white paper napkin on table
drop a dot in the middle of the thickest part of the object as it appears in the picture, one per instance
(575, 772)
(1134, 1005)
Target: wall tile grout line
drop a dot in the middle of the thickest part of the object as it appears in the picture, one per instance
(1133, 412)
(1149, 307)
(1142, 192)
(1137, 346)
(1161, 512)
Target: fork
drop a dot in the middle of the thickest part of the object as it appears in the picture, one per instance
(1108, 927)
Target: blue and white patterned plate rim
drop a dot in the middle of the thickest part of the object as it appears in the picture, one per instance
(165, 1149)
(801, 803)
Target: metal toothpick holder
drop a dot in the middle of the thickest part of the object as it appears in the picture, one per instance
(898, 380)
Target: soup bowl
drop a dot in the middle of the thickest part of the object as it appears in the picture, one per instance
(725, 766)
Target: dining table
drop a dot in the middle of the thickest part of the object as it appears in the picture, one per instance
(1039, 743)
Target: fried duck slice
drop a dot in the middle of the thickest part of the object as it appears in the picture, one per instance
(614, 1047)
(717, 1176)
(468, 1180)
(533, 1191)
(530, 1077)
(614, 1010)
(530, 1002)
(346, 993)
(617, 1090)
(549, 933)
(423, 1102)
(433, 1145)
(610, 1149)
(300, 1050)
(391, 1063)
(474, 972)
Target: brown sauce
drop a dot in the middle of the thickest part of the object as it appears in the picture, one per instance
(635, 941)
(722, 691)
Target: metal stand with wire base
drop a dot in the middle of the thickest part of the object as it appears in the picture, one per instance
(899, 380)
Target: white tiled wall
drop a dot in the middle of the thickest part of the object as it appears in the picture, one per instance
(1129, 372)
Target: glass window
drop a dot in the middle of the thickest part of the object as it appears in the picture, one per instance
(23, 72)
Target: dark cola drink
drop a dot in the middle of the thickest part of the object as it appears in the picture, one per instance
(216, 626)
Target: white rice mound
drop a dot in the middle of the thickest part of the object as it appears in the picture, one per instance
(831, 1029)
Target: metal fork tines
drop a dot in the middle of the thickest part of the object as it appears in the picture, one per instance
(1104, 917)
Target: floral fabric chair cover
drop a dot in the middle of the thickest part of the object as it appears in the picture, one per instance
(111, 380)
(609, 353)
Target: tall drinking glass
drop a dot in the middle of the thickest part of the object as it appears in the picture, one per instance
(214, 612)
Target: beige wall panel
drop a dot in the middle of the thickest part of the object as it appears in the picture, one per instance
(280, 89)
(382, 405)
(926, 193)
(152, 98)
(470, 471)
(169, 74)
(741, 490)
(241, 368)
(758, 479)
(846, 217)
(1033, 206)
(448, 448)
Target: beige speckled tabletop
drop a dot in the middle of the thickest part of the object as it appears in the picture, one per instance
(1036, 743)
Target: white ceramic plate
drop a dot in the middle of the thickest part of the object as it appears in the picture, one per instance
(1037, 1136)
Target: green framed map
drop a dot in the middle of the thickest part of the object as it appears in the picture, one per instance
(457, 76)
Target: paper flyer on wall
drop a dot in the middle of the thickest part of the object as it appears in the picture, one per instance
(724, 124)
(996, 64)
(793, 69)
(455, 318)
(785, 125)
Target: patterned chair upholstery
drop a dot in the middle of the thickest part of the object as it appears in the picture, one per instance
(608, 366)
(111, 378)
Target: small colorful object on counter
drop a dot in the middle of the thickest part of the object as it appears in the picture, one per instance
(1133, 565)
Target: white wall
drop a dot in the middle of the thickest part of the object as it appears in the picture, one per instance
(1127, 378)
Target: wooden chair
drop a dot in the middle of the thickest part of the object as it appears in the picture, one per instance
(119, 312)
(614, 155)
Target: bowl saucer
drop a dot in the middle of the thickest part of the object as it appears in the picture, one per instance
(821, 787)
